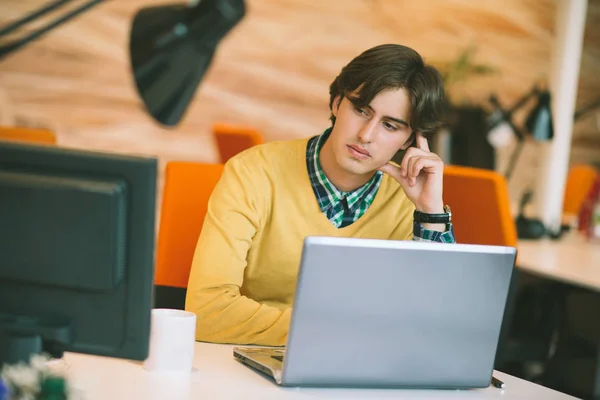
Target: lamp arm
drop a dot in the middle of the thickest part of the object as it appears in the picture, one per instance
(523, 100)
(17, 44)
(514, 157)
(507, 115)
(591, 106)
(32, 16)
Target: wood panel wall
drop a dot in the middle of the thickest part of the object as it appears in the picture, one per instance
(274, 69)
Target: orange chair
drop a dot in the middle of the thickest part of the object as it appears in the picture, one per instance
(480, 206)
(579, 182)
(233, 139)
(22, 134)
(482, 215)
(188, 186)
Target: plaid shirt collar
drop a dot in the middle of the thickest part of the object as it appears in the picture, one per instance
(327, 194)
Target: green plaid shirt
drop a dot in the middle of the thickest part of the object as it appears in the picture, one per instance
(344, 208)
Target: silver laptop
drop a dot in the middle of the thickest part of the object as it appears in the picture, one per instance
(383, 313)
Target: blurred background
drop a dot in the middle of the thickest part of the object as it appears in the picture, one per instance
(273, 70)
(269, 79)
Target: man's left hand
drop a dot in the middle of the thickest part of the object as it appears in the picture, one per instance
(421, 176)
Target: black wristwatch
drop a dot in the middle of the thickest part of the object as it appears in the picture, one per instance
(441, 218)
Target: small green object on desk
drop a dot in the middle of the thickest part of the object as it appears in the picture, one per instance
(53, 388)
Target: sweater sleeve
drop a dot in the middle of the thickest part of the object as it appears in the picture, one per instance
(223, 314)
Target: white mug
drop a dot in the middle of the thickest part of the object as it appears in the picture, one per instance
(172, 338)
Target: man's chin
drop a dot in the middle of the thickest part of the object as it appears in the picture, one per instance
(360, 170)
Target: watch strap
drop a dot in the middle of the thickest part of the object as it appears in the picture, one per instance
(440, 218)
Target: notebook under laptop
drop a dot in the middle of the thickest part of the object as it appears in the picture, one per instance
(382, 313)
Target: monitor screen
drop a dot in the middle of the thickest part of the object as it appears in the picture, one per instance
(76, 251)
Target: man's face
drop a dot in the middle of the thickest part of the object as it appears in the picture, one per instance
(364, 139)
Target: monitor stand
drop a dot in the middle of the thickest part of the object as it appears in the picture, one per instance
(21, 337)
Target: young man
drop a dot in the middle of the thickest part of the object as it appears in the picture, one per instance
(340, 183)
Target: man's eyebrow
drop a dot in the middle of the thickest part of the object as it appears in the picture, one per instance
(397, 120)
(355, 102)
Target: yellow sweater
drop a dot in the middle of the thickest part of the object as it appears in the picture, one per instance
(243, 274)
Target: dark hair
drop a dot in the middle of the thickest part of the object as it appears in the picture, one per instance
(393, 66)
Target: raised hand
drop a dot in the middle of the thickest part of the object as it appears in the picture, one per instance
(421, 176)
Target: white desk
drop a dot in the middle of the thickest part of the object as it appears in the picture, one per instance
(218, 376)
(570, 259)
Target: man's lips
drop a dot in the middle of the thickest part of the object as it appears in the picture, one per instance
(359, 150)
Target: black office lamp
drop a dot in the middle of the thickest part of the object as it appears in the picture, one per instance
(539, 126)
(171, 46)
(171, 49)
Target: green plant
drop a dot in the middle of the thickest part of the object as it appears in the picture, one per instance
(463, 68)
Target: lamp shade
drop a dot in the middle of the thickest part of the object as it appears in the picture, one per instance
(539, 121)
(171, 48)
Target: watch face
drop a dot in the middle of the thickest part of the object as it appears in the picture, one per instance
(447, 209)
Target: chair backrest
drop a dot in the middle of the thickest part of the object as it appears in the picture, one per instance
(233, 139)
(579, 182)
(23, 134)
(187, 189)
(480, 205)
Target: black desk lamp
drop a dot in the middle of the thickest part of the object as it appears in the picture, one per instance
(539, 126)
(171, 46)
(538, 123)
(171, 49)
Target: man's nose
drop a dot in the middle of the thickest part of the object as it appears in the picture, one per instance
(368, 132)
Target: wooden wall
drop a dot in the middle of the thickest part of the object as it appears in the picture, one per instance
(274, 69)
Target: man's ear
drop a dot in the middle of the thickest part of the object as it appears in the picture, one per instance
(336, 105)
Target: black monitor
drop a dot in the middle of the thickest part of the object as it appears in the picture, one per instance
(76, 252)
